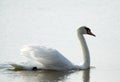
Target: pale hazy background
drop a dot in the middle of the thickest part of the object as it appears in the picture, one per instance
(53, 23)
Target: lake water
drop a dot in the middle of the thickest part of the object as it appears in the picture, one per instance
(90, 75)
(53, 24)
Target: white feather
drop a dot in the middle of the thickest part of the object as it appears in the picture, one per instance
(49, 58)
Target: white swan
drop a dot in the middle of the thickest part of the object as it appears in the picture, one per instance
(51, 59)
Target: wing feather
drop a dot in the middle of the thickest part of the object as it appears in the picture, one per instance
(50, 58)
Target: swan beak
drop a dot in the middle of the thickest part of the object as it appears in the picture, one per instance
(90, 33)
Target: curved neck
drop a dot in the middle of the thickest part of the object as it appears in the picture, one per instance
(86, 56)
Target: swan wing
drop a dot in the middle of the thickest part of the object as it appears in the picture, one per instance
(49, 58)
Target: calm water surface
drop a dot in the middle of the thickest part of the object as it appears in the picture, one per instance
(53, 24)
(90, 75)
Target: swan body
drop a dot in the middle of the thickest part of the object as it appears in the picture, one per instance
(48, 57)
(51, 59)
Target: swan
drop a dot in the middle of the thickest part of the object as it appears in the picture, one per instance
(51, 59)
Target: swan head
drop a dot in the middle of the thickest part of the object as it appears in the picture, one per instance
(85, 30)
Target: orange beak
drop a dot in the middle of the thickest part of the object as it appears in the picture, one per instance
(90, 33)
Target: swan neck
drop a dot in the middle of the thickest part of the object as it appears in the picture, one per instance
(86, 56)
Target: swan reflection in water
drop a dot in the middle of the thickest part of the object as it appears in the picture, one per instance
(54, 76)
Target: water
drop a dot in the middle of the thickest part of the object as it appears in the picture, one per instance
(90, 75)
(53, 24)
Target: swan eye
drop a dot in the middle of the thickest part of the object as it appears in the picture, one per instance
(88, 30)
